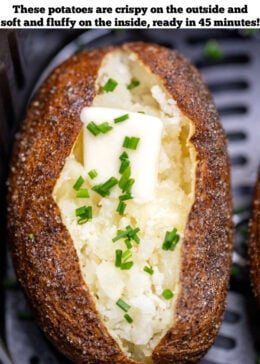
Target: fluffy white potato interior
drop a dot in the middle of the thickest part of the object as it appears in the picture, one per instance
(151, 313)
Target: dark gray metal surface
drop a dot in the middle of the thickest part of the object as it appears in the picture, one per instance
(235, 84)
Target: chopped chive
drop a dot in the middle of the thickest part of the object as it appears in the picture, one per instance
(121, 207)
(100, 191)
(82, 193)
(212, 50)
(31, 236)
(128, 318)
(128, 186)
(123, 305)
(129, 233)
(104, 189)
(121, 118)
(93, 128)
(93, 173)
(126, 255)
(80, 211)
(105, 127)
(124, 178)
(120, 234)
(134, 236)
(123, 156)
(125, 197)
(170, 240)
(148, 270)
(126, 265)
(132, 232)
(111, 182)
(141, 112)
(131, 142)
(110, 85)
(167, 294)
(124, 164)
(128, 244)
(234, 271)
(118, 258)
(82, 220)
(133, 84)
(78, 183)
(84, 213)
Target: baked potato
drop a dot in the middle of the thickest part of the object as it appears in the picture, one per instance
(254, 241)
(129, 267)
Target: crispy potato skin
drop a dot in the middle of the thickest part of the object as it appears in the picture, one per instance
(254, 241)
(47, 265)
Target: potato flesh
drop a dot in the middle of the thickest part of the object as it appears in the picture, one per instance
(152, 314)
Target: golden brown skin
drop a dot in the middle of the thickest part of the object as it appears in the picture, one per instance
(254, 242)
(47, 265)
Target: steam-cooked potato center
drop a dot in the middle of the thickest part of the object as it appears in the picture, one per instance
(124, 194)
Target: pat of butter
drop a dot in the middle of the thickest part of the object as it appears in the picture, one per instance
(102, 152)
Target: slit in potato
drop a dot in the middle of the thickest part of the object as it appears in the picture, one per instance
(151, 313)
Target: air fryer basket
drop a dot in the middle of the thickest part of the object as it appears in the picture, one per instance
(27, 56)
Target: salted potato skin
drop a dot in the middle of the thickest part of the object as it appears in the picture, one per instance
(254, 241)
(47, 265)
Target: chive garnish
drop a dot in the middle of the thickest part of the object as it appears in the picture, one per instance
(124, 178)
(129, 233)
(105, 127)
(128, 318)
(93, 128)
(212, 50)
(121, 118)
(123, 305)
(78, 183)
(124, 164)
(84, 213)
(128, 244)
(104, 189)
(118, 260)
(167, 294)
(82, 193)
(110, 85)
(148, 270)
(31, 236)
(81, 210)
(234, 271)
(131, 142)
(121, 260)
(120, 234)
(123, 156)
(126, 255)
(170, 240)
(133, 84)
(134, 236)
(93, 173)
(121, 207)
(125, 197)
(128, 186)
(101, 128)
(126, 265)
(111, 182)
